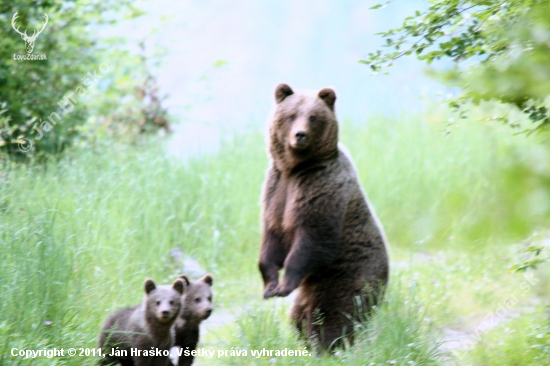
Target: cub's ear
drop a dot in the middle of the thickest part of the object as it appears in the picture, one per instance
(184, 279)
(208, 279)
(282, 92)
(329, 97)
(149, 285)
(179, 286)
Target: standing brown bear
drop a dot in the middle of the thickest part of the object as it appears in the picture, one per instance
(317, 223)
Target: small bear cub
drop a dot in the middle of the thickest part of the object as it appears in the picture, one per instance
(144, 327)
(196, 307)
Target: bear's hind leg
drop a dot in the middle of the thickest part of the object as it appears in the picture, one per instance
(299, 315)
(329, 331)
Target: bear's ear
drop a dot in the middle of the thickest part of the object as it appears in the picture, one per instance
(329, 97)
(185, 280)
(282, 92)
(149, 285)
(208, 279)
(180, 286)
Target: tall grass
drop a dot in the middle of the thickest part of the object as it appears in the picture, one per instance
(477, 183)
(78, 236)
(396, 333)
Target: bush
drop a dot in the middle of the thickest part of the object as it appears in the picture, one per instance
(44, 101)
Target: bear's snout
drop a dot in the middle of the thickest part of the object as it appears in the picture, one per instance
(300, 134)
(300, 140)
(165, 313)
(208, 312)
(301, 137)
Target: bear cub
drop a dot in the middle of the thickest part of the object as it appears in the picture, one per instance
(317, 222)
(196, 307)
(144, 327)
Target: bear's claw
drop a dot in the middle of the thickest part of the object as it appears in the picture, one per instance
(269, 292)
(281, 290)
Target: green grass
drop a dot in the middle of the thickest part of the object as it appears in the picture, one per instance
(78, 237)
(477, 183)
(524, 340)
(397, 333)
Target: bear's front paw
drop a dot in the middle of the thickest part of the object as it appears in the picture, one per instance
(268, 292)
(282, 290)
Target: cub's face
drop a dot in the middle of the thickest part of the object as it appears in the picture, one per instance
(197, 301)
(304, 125)
(164, 302)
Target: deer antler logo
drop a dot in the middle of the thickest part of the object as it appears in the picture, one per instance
(29, 40)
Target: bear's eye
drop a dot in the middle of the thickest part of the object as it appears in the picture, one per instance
(312, 119)
(158, 303)
(171, 302)
(292, 118)
(198, 299)
(210, 298)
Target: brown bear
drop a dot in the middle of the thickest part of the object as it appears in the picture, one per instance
(196, 307)
(317, 222)
(143, 328)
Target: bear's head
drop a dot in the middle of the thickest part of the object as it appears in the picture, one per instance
(304, 127)
(163, 302)
(197, 300)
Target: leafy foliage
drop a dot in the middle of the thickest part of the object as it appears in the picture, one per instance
(500, 51)
(46, 103)
(131, 103)
(533, 255)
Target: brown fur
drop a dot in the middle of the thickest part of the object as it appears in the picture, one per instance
(144, 327)
(197, 306)
(317, 223)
